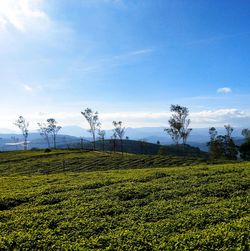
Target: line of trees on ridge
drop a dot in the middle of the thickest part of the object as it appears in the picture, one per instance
(220, 146)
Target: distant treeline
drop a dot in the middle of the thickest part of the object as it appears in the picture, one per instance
(220, 146)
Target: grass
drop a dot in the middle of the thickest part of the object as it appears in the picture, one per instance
(193, 207)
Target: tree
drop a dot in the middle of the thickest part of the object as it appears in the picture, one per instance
(119, 131)
(222, 146)
(53, 129)
(245, 150)
(113, 141)
(246, 134)
(23, 125)
(101, 134)
(93, 120)
(215, 145)
(44, 132)
(230, 149)
(179, 124)
(245, 147)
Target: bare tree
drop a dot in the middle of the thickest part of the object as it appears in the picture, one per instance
(44, 132)
(23, 125)
(119, 131)
(179, 124)
(93, 120)
(53, 129)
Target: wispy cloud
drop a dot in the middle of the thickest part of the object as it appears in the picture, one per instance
(224, 90)
(113, 61)
(141, 52)
(216, 39)
(119, 3)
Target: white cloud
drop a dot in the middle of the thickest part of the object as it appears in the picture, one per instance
(220, 117)
(22, 14)
(68, 115)
(28, 88)
(34, 88)
(141, 52)
(224, 90)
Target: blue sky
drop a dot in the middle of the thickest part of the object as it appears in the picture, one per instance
(130, 60)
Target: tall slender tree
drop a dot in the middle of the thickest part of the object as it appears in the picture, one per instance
(23, 125)
(179, 124)
(93, 121)
(215, 144)
(230, 147)
(101, 134)
(113, 141)
(44, 132)
(53, 129)
(119, 130)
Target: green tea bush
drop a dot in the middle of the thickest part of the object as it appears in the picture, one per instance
(203, 207)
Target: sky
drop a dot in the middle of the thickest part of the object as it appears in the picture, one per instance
(127, 59)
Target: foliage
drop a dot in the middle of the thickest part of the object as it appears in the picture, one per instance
(179, 124)
(23, 125)
(245, 150)
(53, 129)
(119, 131)
(246, 133)
(163, 151)
(93, 120)
(101, 134)
(57, 161)
(203, 207)
(245, 147)
(222, 146)
(44, 132)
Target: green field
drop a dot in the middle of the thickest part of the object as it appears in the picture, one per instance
(72, 200)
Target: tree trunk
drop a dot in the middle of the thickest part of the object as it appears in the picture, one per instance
(55, 141)
(25, 147)
(47, 138)
(93, 141)
(122, 146)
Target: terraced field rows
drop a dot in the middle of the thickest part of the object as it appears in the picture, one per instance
(38, 162)
(203, 207)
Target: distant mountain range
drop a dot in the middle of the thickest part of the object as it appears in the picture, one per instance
(72, 134)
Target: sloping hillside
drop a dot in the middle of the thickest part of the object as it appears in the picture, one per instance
(39, 162)
(198, 207)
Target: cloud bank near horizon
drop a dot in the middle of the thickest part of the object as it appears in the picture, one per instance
(201, 119)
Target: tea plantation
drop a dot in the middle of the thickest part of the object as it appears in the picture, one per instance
(72, 200)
